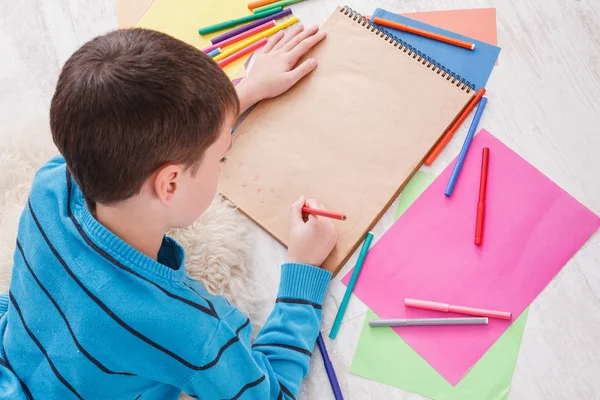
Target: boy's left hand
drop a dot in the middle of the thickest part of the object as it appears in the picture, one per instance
(275, 69)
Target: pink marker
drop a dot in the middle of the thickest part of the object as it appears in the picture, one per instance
(443, 307)
(242, 52)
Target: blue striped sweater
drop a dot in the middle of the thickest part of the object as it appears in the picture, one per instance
(89, 317)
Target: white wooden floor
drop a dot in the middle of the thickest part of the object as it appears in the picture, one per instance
(544, 102)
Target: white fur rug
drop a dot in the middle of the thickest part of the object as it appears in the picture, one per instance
(217, 245)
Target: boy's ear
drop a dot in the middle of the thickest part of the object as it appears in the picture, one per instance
(166, 182)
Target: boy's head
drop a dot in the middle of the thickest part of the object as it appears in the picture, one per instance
(139, 113)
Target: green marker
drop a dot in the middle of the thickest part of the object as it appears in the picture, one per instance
(239, 21)
(281, 3)
(359, 263)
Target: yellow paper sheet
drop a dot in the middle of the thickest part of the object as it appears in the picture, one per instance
(183, 18)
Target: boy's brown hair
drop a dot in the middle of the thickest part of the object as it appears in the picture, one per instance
(132, 100)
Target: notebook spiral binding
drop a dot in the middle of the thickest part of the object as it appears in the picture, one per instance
(419, 56)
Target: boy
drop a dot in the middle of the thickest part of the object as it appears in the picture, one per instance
(100, 306)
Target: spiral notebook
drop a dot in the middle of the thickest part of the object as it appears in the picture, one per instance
(351, 134)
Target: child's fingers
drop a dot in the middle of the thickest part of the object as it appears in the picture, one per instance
(273, 40)
(312, 203)
(300, 37)
(289, 35)
(296, 211)
(303, 47)
(302, 70)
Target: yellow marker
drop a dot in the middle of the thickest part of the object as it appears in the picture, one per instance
(256, 38)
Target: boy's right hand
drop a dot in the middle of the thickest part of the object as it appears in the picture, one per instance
(310, 240)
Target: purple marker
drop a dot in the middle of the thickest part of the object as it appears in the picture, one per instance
(251, 25)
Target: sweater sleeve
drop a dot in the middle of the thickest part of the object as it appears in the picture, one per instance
(275, 365)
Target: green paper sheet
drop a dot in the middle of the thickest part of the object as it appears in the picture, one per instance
(383, 356)
(413, 189)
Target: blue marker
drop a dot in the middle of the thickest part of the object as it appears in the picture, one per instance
(335, 386)
(465, 147)
(214, 53)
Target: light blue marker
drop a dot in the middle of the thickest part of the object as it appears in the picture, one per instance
(465, 147)
(359, 263)
(214, 53)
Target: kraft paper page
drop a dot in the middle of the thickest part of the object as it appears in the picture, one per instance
(129, 12)
(350, 135)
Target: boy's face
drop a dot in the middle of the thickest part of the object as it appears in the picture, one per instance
(196, 192)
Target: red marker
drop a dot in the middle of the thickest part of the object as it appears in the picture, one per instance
(481, 205)
(323, 213)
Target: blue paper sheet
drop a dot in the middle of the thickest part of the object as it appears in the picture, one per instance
(474, 66)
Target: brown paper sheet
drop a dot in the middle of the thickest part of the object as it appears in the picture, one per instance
(351, 134)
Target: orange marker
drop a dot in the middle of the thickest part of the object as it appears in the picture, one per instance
(241, 53)
(482, 189)
(421, 32)
(323, 213)
(260, 3)
(453, 128)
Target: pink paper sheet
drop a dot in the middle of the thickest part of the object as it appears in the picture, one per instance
(532, 228)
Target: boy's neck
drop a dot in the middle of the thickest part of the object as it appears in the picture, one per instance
(131, 223)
